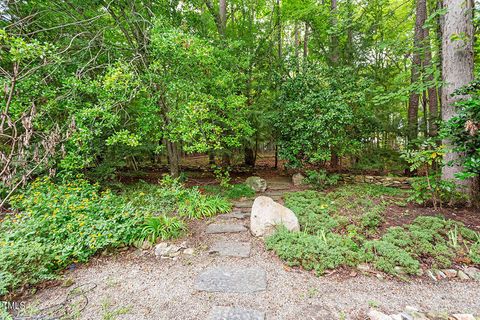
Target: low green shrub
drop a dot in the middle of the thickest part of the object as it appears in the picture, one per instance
(434, 191)
(60, 224)
(321, 179)
(320, 252)
(57, 224)
(328, 239)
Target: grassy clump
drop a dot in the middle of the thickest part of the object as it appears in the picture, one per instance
(328, 239)
(57, 224)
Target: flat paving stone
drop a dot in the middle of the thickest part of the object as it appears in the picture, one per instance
(228, 313)
(232, 280)
(232, 248)
(234, 215)
(243, 204)
(225, 228)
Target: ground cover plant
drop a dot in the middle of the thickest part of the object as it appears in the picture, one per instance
(344, 227)
(57, 224)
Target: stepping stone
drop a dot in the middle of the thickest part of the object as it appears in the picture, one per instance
(225, 228)
(243, 204)
(228, 313)
(232, 279)
(274, 193)
(234, 215)
(232, 248)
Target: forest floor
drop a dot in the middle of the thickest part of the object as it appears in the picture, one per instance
(136, 284)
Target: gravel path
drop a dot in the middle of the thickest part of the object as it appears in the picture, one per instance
(137, 285)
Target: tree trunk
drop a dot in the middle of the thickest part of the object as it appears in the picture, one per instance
(416, 67)
(334, 160)
(334, 38)
(173, 159)
(226, 160)
(457, 71)
(223, 16)
(249, 157)
(211, 158)
(432, 90)
(305, 41)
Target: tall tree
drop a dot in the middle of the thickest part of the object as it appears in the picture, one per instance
(416, 69)
(457, 71)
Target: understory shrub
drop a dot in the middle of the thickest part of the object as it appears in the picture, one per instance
(321, 179)
(328, 239)
(56, 225)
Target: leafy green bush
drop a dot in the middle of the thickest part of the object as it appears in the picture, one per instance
(60, 224)
(55, 225)
(434, 190)
(321, 179)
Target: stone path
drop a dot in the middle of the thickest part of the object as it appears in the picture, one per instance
(232, 279)
(232, 248)
(222, 313)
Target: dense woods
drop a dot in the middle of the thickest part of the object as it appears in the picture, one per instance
(96, 89)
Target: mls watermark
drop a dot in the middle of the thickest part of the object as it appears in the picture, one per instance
(12, 306)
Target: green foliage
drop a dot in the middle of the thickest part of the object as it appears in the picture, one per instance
(328, 239)
(233, 191)
(55, 225)
(60, 224)
(316, 117)
(434, 190)
(463, 130)
(313, 252)
(431, 188)
(161, 227)
(321, 179)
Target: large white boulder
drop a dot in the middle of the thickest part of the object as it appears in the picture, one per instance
(266, 214)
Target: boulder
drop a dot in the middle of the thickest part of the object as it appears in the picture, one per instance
(256, 183)
(298, 179)
(266, 214)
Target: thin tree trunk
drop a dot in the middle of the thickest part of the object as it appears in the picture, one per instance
(416, 67)
(173, 159)
(305, 41)
(457, 71)
(222, 4)
(211, 158)
(249, 157)
(334, 39)
(432, 90)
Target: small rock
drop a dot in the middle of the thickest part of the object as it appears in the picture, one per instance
(406, 316)
(450, 273)
(161, 249)
(164, 250)
(440, 274)
(396, 317)
(146, 245)
(256, 183)
(189, 251)
(463, 316)
(410, 309)
(431, 275)
(267, 214)
(364, 267)
(377, 315)
(462, 275)
(472, 272)
(298, 179)
(399, 270)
